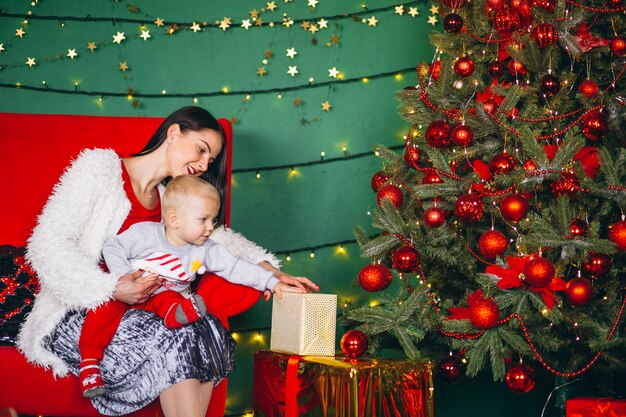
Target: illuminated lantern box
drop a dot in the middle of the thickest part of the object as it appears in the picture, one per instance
(304, 324)
(318, 386)
(595, 407)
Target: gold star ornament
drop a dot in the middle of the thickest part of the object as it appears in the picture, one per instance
(30, 62)
(91, 46)
(159, 22)
(432, 20)
(123, 66)
(119, 38)
(326, 106)
(261, 71)
(20, 32)
(72, 53)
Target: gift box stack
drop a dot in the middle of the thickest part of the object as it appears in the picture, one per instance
(300, 376)
(595, 407)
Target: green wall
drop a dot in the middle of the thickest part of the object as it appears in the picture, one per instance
(320, 204)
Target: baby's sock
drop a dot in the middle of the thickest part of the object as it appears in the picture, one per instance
(189, 311)
(91, 383)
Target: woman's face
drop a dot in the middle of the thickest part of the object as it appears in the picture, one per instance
(192, 152)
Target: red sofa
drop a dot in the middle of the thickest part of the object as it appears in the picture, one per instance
(36, 149)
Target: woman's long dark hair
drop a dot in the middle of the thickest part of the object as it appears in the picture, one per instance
(195, 119)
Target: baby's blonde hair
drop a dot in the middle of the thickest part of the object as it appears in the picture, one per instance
(180, 188)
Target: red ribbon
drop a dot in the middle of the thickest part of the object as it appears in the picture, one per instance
(292, 386)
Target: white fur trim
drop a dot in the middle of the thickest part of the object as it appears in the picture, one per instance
(238, 245)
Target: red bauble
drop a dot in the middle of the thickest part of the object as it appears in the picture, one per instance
(549, 85)
(451, 368)
(539, 273)
(507, 20)
(597, 265)
(588, 88)
(469, 208)
(464, 66)
(579, 291)
(391, 192)
(378, 180)
(496, 69)
(618, 45)
(614, 3)
(495, 4)
(617, 234)
(492, 244)
(502, 163)
(514, 207)
(568, 185)
(434, 69)
(462, 135)
(431, 178)
(516, 68)
(530, 166)
(353, 343)
(578, 228)
(438, 134)
(484, 314)
(452, 23)
(546, 4)
(434, 217)
(490, 106)
(545, 34)
(405, 259)
(375, 277)
(411, 156)
(520, 378)
(595, 125)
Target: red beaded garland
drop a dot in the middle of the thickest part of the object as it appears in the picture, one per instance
(353, 343)
(469, 208)
(588, 88)
(484, 314)
(597, 265)
(617, 234)
(579, 291)
(375, 277)
(492, 244)
(502, 163)
(434, 217)
(539, 273)
(520, 378)
(438, 134)
(391, 192)
(464, 66)
(507, 20)
(546, 4)
(405, 259)
(514, 207)
(545, 34)
(454, 4)
(462, 135)
(378, 180)
(595, 125)
(411, 156)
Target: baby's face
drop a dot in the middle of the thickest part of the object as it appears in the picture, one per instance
(197, 219)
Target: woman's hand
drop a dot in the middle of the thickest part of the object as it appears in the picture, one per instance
(133, 288)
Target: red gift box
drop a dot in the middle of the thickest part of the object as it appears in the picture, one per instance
(595, 407)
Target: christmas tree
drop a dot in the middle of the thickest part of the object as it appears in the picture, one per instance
(504, 216)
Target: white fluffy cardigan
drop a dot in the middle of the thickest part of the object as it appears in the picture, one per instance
(87, 206)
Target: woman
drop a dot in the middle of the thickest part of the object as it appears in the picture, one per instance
(100, 195)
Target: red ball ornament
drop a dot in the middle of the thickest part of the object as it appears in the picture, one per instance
(378, 180)
(618, 45)
(405, 259)
(353, 343)
(452, 23)
(520, 378)
(597, 265)
(502, 163)
(516, 68)
(530, 166)
(546, 4)
(549, 85)
(617, 234)
(595, 125)
(462, 135)
(484, 314)
(514, 207)
(495, 4)
(454, 4)
(492, 244)
(578, 228)
(544, 34)
(451, 369)
(588, 88)
(375, 277)
(431, 178)
(411, 156)
(434, 217)
(469, 208)
(391, 192)
(568, 185)
(496, 69)
(438, 134)
(614, 3)
(434, 69)
(464, 66)
(490, 106)
(539, 273)
(507, 20)
(579, 291)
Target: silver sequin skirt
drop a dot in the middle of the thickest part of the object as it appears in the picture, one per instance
(145, 358)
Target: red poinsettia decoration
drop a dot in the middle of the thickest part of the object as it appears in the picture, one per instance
(587, 156)
(586, 40)
(490, 95)
(515, 275)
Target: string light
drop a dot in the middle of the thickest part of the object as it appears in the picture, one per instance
(312, 254)
(258, 175)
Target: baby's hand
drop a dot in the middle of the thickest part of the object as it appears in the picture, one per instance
(282, 287)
